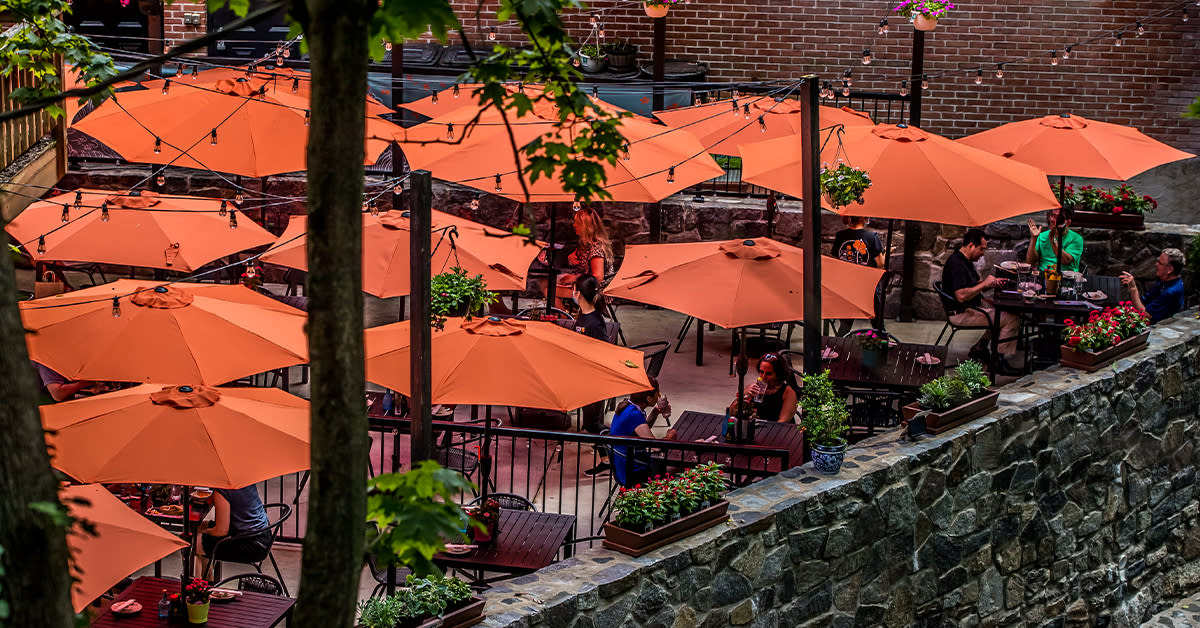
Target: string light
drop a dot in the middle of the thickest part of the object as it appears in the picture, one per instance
(695, 100)
(238, 199)
(195, 72)
(924, 81)
(883, 27)
(497, 183)
(295, 85)
(104, 211)
(160, 180)
(978, 77)
(575, 61)
(1120, 40)
(1054, 58)
(41, 244)
(1141, 30)
(287, 51)
(387, 46)
(373, 207)
(592, 19)
(474, 204)
(224, 208)
(845, 88)
(762, 124)
(398, 189)
(1186, 17)
(166, 86)
(746, 111)
(1066, 53)
(116, 308)
(454, 91)
(671, 174)
(601, 33)
(736, 93)
(576, 206)
(866, 56)
(157, 145)
(903, 88)
(233, 219)
(625, 151)
(433, 96)
(735, 105)
(78, 200)
(307, 117)
(279, 61)
(595, 92)
(847, 78)
(212, 137)
(999, 70)
(450, 131)
(492, 34)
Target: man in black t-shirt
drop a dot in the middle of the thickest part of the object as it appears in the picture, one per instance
(961, 281)
(857, 245)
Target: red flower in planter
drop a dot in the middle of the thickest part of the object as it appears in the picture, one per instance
(1118, 209)
(1074, 340)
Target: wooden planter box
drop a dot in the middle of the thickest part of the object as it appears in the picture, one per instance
(469, 614)
(638, 543)
(1131, 222)
(1089, 361)
(938, 422)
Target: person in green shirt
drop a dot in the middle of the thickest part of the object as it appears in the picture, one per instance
(1042, 243)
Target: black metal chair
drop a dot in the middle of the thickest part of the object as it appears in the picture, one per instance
(542, 310)
(859, 332)
(656, 354)
(511, 501)
(379, 573)
(284, 512)
(255, 583)
(947, 306)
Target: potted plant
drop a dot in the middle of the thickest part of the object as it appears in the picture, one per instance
(1119, 208)
(666, 509)
(844, 184)
(621, 53)
(591, 58)
(483, 520)
(1106, 337)
(197, 595)
(924, 13)
(423, 603)
(824, 418)
(658, 8)
(454, 293)
(955, 398)
(874, 346)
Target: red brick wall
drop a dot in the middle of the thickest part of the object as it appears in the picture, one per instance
(173, 21)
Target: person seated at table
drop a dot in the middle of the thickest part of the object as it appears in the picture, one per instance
(1165, 298)
(961, 281)
(632, 419)
(236, 512)
(1058, 233)
(777, 385)
(56, 388)
(593, 255)
(857, 245)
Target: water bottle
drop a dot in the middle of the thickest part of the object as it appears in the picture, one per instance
(389, 402)
(164, 606)
(760, 388)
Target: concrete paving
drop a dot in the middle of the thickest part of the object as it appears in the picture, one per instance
(1185, 614)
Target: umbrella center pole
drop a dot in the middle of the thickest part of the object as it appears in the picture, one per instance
(743, 366)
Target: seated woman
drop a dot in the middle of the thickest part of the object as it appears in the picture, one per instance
(778, 388)
(237, 511)
(632, 419)
(594, 255)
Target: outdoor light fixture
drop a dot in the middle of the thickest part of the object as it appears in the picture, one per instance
(433, 96)
(746, 111)
(847, 78)
(903, 88)
(239, 198)
(474, 204)
(1141, 30)
(78, 200)
(233, 219)
(1066, 53)
(736, 93)
(295, 85)
(497, 183)
(1054, 58)
(978, 77)
(116, 310)
(575, 61)
(160, 180)
(592, 19)
(762, 124)
(66, 215)
(224, 208)
(883, 27)
(924, 81)
(398, 189)
(307, 117)
(279, 60)
(157, 145)
(166, 86)
(601, 33)
(287, 51)
(492, 33)
(866, 56)
(449, 130)
(671, 174)
(696, 100)
(195, 72)
(1120, 39)
(212, 137)
(845, 88)
(104, 211)
(387, 46)
(41, 244)
(454, 90)
(595, 92)
(999, 70)
(373, 207)
(625, 151)
(1186, 17)
(576, 206)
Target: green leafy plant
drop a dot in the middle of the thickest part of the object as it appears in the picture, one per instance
(620, 47)
(413, 512)
(844, 184)
(958, 390)
(968, 381)
(823, 415)
(455, 292)
(974, 376)
(934, 395)
(928, 8)
(817, 390)
(663, 3)
(380, 612)
(590, 50)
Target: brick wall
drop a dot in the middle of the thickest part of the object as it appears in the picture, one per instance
(174, 26)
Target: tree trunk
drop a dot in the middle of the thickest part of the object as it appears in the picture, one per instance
(336, 33)
(36, 581)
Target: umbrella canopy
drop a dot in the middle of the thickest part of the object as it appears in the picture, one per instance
(509, 362)
(281, 82)
(240, 126)
(149, 230)
(123, 543)
(915, 175)
(480, 250)
(658, 163)
(723, 125)
(182, 332)
(1074, 146)
(740, 282)
(199, 436)
(461, 96)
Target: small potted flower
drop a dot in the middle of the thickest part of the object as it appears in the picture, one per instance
(658, 8)
(591, 58)
(1106, 337)
(874, 346)
(454, 293)
(483, 520)
(197, 595)
(843, 184)
(924, 13)
(824, 419)
(955, 398)
(621, 53)
(425, 602)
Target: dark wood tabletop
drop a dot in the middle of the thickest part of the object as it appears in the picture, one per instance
(525, 541)
(698, 426)
(900, 371)
(250, 610)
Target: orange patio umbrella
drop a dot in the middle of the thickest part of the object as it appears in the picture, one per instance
(142, 331)
(123, 543)
(192, 435)
(1074, 146)
(737, 283)
(149, 230)
(721, 126)
(460, 96)
(480, 250)
(240, 126)
(915, 175)
(508, 362)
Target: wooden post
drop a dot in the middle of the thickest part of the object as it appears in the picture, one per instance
(912, 230)
(660, 53)
(810, 161)
(420, 356)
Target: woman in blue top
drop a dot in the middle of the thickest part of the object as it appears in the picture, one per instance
(237, 511)
(631, 420)
(1165, 298)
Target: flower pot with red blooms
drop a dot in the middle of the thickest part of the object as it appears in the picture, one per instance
(484, 520)
(1117, 208)
(666, 509)
(924, 13)
(1106, 337)
(197, 595)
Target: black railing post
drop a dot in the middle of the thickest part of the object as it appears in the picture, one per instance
(810, 142)
(660, 53)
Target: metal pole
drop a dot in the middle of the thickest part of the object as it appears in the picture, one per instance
(660, 53)
(420, 353)
(552, 270)
(810, 142)
(912, 230)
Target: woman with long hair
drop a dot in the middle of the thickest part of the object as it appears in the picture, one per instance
(777, 385)
(594, 255)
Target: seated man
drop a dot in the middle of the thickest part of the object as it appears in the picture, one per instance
(1058, 233)
(1165, 298)
(961, 281)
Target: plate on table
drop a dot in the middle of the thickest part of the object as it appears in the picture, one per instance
(169, 510)
(928, 360)
(126, 607)
(221, 595)
(457, 549)
(829, 354)
(1097, 295)
(1010, 265)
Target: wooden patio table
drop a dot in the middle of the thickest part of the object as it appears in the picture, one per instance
(524, 542)
(250, 610)
(900, 371)
(698, 426)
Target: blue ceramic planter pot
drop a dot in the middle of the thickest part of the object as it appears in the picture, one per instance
(828, 459)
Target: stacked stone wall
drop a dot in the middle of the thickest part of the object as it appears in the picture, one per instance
(1073, 504)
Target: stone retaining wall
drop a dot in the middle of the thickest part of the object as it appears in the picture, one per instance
(1073, 504)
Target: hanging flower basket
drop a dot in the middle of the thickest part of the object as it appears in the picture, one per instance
(843, 185)
(924, 13)
(658, 8)
(923, 23)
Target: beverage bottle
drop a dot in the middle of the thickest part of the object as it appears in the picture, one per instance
(164, 606)
(389, 402)
(731, 430)
(760, 389)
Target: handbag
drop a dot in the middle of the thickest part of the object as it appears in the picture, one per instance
(48, 286)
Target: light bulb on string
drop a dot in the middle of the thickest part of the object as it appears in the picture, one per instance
(195, 72)
(845, 88)
(212, 137)
(762, 124)
(849, 80)
(592, 19)
(866, 56)
(166, 86)
(576, 206)
(695, 100)
(160, 180)
(498, 183)
(224, 211)
(625, 151)
(41, 247)
(1185, 16)
(601, 33)
(78, 200)
(746, 111)
(287, 51)
(735, 105)
(883, 27)
(474, 204)
(924, 81)
(387, 46)
(433, 96)
(233, 219)
(373, 207)
(295, 85)
(671, 174)
(1120, 40)
(398, 189)
(307, 117)
(575, 61)
(116, 308)
(454, 90)
(1141, 30)
(999, 70)
(979, 77)
(1066, 53)
(104, 211)
(1054, 58)
(492, 33)
(595, 92)
(736, 93)
(903, 88)
(279, 61)
(157, 145)
(239, 198)
(450, 130)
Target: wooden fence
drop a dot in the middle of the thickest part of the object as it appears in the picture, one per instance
(19, 134)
